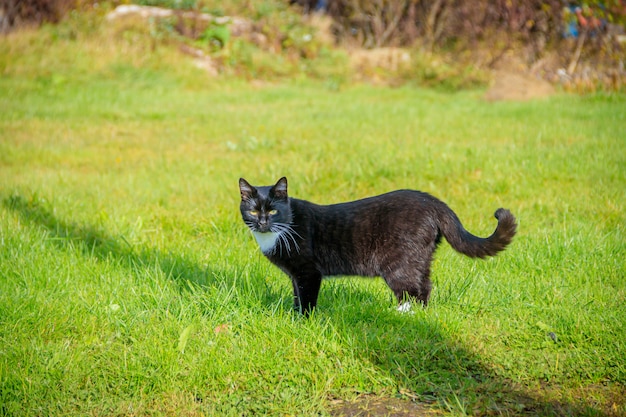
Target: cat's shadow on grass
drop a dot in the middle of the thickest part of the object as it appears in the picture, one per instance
(428, 366)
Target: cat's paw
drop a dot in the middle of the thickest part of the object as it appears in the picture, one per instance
(406, 307)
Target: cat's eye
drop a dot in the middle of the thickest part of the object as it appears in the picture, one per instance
(273, 212)
(253, 212)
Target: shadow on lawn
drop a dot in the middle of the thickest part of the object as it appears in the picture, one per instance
(428, 366)
(96, 243)
(433, 370)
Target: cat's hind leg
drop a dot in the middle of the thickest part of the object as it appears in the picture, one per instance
(410, 284)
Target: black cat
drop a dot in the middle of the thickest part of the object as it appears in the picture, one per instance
(392, 235)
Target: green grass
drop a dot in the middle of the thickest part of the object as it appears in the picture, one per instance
(130, 286)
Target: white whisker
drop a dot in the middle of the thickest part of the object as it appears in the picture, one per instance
(283, 239)
(286, 236)
(287, 232)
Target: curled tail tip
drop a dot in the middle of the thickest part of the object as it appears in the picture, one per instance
(502, 213)
(506, 223)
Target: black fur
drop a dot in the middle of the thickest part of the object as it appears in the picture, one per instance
(392, 235)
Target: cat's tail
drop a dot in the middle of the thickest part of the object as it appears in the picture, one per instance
(474, 246)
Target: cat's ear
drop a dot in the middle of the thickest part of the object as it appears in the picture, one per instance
(280, 189)
(247, 191)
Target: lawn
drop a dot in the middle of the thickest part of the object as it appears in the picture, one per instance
(130, 286)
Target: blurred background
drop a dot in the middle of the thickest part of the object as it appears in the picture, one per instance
(521, 49)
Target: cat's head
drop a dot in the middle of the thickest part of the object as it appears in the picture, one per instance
(265, 209)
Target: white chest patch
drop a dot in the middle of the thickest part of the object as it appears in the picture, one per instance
(266, 241)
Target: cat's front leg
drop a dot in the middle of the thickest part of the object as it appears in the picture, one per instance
(306, 288)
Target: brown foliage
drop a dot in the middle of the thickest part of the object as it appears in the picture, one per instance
(539, 31)
(375, 23)
(15, 13)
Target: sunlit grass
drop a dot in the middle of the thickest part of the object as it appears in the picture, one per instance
(129, 285)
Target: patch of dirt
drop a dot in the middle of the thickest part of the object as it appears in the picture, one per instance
(389, 59)
(514, 81)
(517, 87)
(371, 406)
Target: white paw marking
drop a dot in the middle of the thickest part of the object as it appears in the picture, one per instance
(405, 307)
(266, 241)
